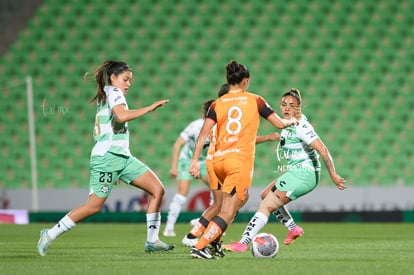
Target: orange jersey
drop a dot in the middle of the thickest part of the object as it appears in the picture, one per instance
(237, 116)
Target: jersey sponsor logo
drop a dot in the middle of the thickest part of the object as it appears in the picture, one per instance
(240, 98)
(222, 153)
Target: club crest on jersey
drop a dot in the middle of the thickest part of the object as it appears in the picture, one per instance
(105, 188)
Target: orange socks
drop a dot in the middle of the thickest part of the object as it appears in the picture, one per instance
(197, 230)
(214, 230)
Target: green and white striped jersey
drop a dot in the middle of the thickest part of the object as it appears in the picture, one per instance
(190, 135)
(109, 135)
(294, 146)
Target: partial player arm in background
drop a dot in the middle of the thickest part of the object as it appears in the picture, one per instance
(201, 139)
(175, 154)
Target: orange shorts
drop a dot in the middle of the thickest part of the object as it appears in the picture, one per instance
(214, 181)
(235, 174)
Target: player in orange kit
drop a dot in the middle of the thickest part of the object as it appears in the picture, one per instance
(237, 116)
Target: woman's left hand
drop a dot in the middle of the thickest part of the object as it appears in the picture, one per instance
(195, 169)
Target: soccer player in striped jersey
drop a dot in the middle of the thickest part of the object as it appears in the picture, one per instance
(111, 159)
(301, 146)
(183, 149)
(237, 116)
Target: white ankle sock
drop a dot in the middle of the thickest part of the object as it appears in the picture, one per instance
(256, 223)
(174, 210)
(153, 226)
(283, 215)
(64, 225)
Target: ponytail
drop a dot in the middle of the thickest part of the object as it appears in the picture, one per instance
(103, 77)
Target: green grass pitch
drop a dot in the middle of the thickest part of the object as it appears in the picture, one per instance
(102, 248)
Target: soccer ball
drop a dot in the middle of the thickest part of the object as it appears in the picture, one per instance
(264, 245)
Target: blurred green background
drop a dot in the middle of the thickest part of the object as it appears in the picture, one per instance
(352, 61)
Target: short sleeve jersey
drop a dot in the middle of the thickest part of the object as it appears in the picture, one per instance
(110, 135)
(294, 145)
(237, 116)
(190, 135)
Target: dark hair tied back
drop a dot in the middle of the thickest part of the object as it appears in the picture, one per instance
(236, 72)
(116, 67)
(103, 77)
